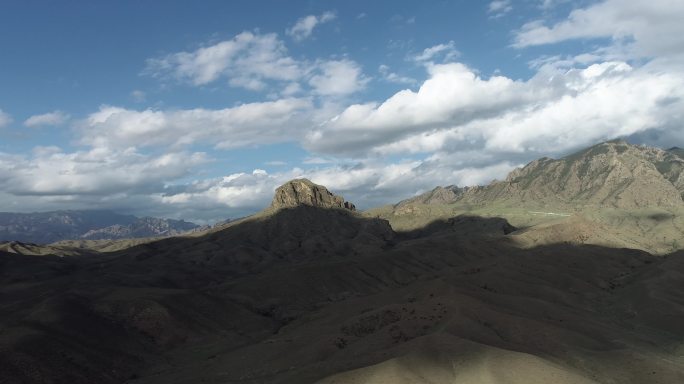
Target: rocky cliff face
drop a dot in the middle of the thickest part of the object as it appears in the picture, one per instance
(612, 174)
(299, 192)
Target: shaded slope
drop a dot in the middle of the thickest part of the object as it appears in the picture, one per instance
(456, 300)
(305, 293)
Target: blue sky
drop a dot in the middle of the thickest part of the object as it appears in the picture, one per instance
(174, 109)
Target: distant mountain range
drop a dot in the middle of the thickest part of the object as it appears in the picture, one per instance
(49, 227)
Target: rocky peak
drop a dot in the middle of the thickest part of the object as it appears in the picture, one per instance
(614, 174)
(304, 192)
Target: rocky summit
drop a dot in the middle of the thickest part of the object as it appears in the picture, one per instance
(299, 192)
(613, 174)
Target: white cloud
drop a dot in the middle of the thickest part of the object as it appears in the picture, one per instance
(604, 101)
(448, 52)
(549, 4)
(243, 125)
(98, 171)
(367, 184)
(453, 94)
(303, 28)
(317, 160)
(47, 119)
(393, 77)
(458, 127)
(258, 63)
(498, 8)
(248, 60)
(555, 111)
(338, 78)
(243, 192)
(638, 28)
(5, 119)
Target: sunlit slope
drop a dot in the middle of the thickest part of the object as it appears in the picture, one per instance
(612, 194)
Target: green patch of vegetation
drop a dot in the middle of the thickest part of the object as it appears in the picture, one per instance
(664, 167)
(677, 151)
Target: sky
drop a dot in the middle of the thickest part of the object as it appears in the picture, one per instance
(199, 111)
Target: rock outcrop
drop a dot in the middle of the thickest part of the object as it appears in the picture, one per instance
(299, 192)
(613, 174)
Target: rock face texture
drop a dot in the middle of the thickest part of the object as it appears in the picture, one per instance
(613, 174)
(299, 192)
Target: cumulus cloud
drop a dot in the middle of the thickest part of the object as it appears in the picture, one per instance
(393, 77)
(337, 78)
(304, 27)
(243, 192)
(639, 28)
(5, 119)
(47, 119)
(549, 4)
(452, 95)
(457, 127)
(555, 111)
(248, 60)
(461, 129)
(366, 183)
(99, 171)
(447, 51)
(254, 61)
(243, 125)
(498, 8)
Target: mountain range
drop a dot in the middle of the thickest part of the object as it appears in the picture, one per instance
(612, 174)
(49, 227)
(559, 274)
(613, 194)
